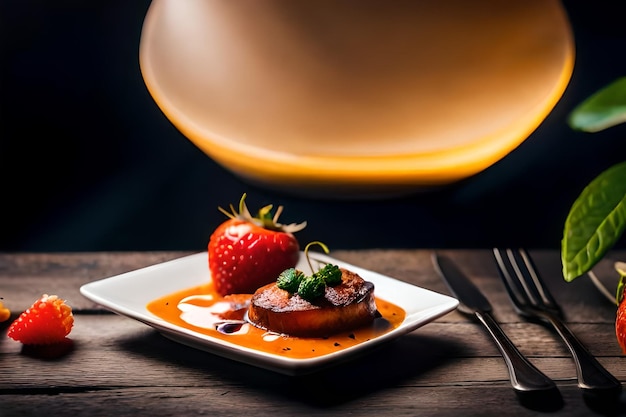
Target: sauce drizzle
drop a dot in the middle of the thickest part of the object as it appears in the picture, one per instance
(202, 310)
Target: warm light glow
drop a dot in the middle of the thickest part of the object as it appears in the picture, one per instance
(367, 95)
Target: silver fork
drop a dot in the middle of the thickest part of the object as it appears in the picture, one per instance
(532, 299)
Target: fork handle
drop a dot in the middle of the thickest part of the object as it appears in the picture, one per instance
(591, 374)
(524, 376)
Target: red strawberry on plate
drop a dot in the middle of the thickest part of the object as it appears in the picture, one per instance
(49, 320)
(247, 252)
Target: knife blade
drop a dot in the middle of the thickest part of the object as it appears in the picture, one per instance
(524, 376)
(460, 286)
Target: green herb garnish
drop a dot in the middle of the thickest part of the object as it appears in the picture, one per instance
(290, 279)
(311, 288)
(330, 274)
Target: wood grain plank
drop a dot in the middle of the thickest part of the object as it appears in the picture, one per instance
(486, 400)
(25, 277)
(448, 353)
(447, 367)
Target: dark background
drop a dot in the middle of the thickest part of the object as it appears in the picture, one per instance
(89, 163)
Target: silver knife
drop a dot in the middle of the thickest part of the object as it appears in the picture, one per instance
(524, 376)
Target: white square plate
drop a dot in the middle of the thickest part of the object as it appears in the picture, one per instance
(128, 294)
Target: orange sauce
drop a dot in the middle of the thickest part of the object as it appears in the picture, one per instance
(202, 310)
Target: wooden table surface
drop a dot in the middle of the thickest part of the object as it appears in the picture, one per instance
(449, 367)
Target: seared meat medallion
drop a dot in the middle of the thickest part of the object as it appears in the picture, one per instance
(346, 306)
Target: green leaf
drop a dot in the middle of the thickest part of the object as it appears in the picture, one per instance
(595, 222)
(603, 109)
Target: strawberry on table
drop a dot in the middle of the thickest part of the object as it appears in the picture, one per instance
(247, 252)
(49, 320)
(620, 326)
(620, 319)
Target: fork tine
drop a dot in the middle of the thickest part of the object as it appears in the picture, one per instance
(511, 283)
(525, 279)
(521, 270)
(542, 290)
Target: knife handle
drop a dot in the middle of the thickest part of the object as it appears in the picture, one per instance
(524, 376)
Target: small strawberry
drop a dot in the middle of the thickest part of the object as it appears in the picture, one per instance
(247, 252)
(620, 319)
(49, 320)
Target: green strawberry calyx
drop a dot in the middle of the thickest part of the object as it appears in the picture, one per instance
(264, 218)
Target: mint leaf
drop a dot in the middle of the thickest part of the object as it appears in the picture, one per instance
(595, 222)
(603, 109)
